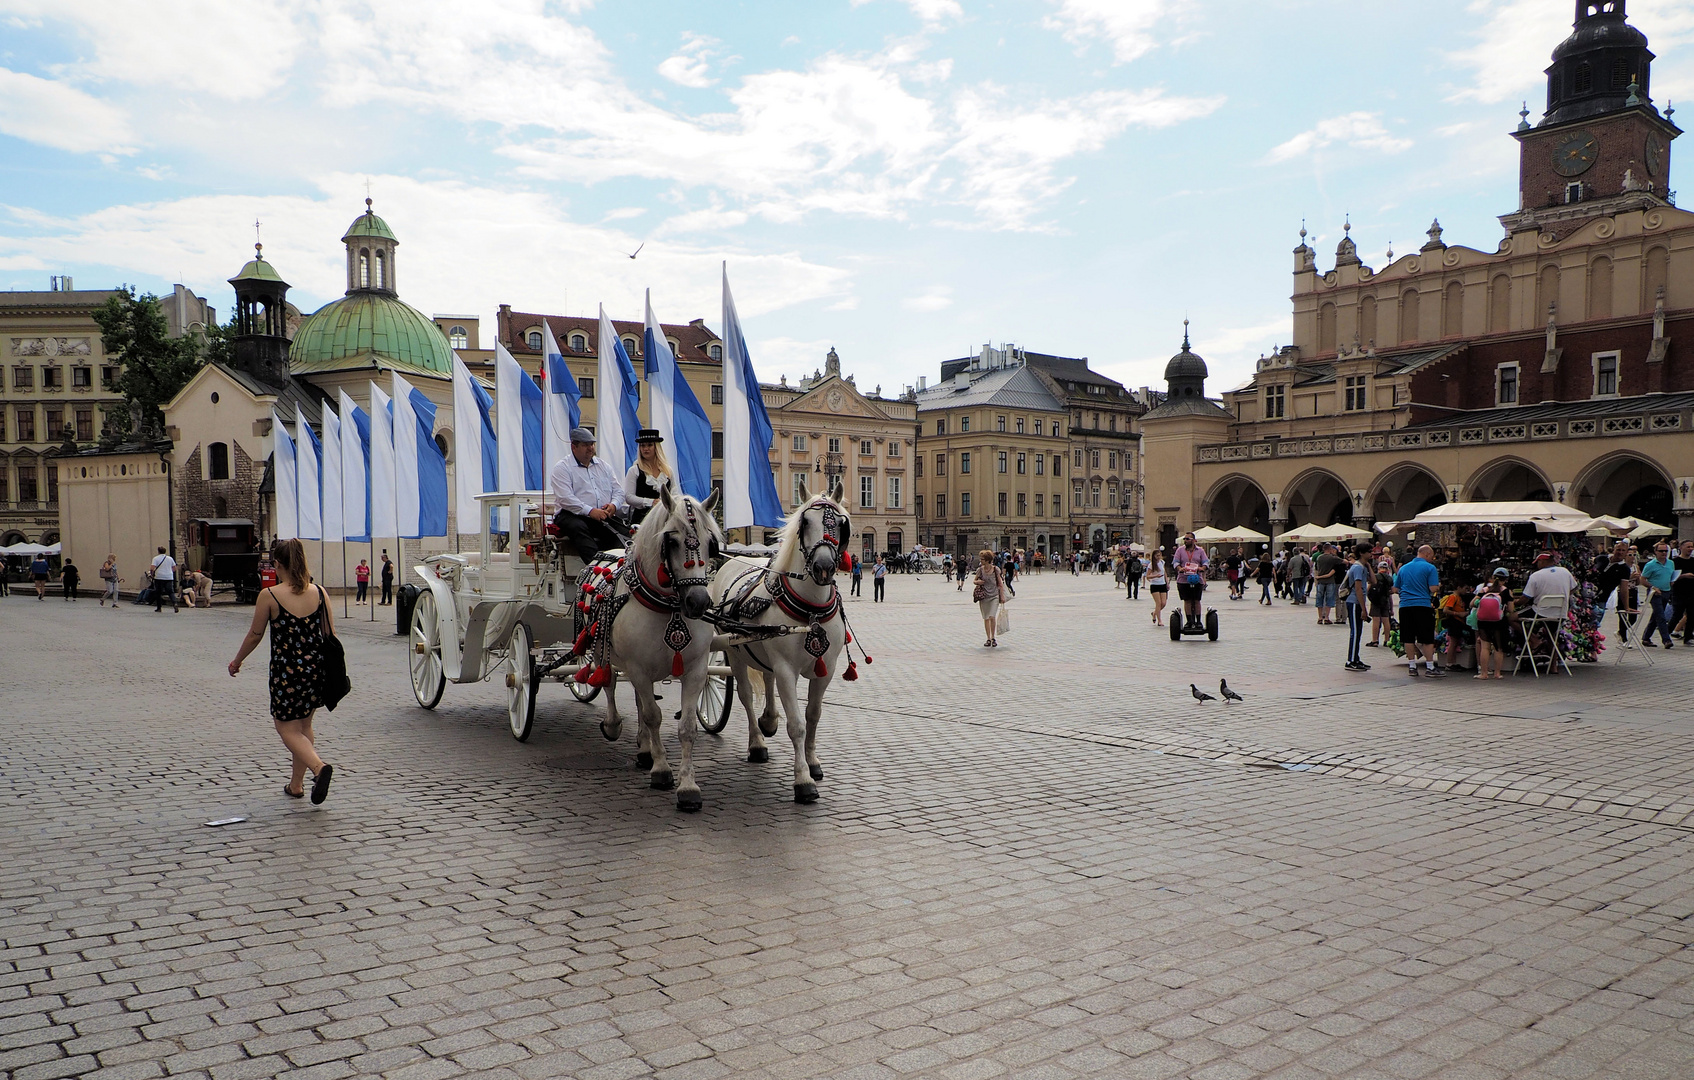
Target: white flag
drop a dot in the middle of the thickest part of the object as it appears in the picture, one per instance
(334, 518)
(384, 517)
(406, 480)
(355, 478)
(477, 470)
(283, 478)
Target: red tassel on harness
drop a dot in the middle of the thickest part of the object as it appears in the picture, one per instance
(849, 640)
(818, 669)
(676, 665)
(868, 659)
(600, 676)
(581, 642)
(582, 673)
(852, 672)
(664, 576)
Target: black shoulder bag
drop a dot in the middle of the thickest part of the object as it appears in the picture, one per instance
(333, 683)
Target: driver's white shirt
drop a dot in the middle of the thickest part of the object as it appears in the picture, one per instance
(580, 489)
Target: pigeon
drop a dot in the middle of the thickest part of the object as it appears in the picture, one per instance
(1228, 694)
(638, 248)
(1199, 695)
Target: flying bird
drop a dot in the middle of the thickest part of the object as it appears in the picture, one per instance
(637, 251)
(1228, 694)
(1199, 695)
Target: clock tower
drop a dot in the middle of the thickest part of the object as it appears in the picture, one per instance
(1601, 140)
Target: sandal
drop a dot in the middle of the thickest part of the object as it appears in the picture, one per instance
(320, 784)
(301, 794)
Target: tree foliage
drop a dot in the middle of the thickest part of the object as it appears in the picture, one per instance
(155, 366)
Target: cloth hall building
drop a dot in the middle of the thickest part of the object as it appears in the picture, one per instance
(1559, 365)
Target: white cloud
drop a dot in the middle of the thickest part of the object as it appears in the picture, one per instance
(1515, 44)
(1126, 24)
(231, 51)
(1361, 130)
(456, 251)
(688, 66)
(63, 117)
(929, 11)
(933, 298)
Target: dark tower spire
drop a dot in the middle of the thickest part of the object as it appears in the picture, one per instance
(260, 348)
(1593, 68)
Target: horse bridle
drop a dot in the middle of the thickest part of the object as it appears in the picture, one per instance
(834, 524)
(666, 594)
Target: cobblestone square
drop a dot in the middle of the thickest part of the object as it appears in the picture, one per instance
(1041, 861)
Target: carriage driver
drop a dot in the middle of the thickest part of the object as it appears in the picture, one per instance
(1190, 563)
(591, 499)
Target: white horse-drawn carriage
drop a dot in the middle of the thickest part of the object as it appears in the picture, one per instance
(525, 608)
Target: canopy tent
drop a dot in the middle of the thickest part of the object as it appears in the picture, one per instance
(1644, 529)
(1241, 534)
(1302, 534)
(1338, 531)
(30, 549)
(1501, 513)
(1206, 535)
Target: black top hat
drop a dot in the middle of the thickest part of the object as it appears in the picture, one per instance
(649, 434)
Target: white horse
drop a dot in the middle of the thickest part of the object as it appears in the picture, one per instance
(796, 588)
(660, 632)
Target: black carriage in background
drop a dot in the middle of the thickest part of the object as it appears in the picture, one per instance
(224, 549)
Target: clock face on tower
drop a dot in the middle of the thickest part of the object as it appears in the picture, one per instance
(1655, 155)
(1574, 153)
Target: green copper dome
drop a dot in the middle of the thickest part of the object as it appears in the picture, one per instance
(369, 329)
(368, 224)
(257, 269)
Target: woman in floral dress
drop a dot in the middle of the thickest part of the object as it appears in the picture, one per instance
(299, 615)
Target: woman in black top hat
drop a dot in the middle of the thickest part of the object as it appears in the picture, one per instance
(641, 483)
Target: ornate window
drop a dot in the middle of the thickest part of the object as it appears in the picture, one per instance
(865, 448)
(799, 443)
(457, 338)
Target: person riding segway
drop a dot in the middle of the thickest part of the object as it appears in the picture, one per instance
(1189, 562)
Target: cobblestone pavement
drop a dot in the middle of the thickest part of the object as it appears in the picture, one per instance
(1039, 861)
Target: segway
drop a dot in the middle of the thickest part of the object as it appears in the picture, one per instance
(1181, 627)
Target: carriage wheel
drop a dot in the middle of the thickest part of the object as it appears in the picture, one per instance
(521, 683)
(718, 698)
(428, 677)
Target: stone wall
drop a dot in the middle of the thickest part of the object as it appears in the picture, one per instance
(197, 497)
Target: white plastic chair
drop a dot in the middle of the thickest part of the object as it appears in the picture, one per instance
(1558, 607)
(1631, 640)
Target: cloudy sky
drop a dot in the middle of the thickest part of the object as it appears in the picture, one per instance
(901, 179)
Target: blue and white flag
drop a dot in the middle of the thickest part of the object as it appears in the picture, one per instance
(420, 468)
(479, 467)
(334, 515)
(355, 470)
(563, 410)
(384, 506)
(676, 412)
(283, 476)
(749, 486)
(308, 464)
(620, 396)
(518, 403)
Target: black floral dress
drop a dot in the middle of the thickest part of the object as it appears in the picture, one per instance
(296, 646)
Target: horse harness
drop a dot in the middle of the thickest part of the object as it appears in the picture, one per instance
(602, 602)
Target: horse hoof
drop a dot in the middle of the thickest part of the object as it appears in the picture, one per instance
(758, 755)
(768, 728)
(805, 793)
(689, 802)
(610, 736)
(644, 761)
(661, 781)
(816, 771)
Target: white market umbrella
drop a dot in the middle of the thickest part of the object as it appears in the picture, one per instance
(1304, 534)
(1645, 529)
(1241, 534)
(1207, 534)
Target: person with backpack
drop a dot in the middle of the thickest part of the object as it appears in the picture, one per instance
(1380, 592)
(164, 581)
(1491, 605)
(1133, 569)
(1353, 601)
(70, 577)
(1299, 567)
(1265, 574)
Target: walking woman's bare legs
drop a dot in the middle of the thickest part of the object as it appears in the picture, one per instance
(297, 736)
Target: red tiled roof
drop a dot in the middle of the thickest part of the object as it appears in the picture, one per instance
(692, 338)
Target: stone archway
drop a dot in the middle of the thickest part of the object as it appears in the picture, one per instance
(1508, 480)
(1238, 500)
(1404, 491)
(1318, 497)
(1626, 485)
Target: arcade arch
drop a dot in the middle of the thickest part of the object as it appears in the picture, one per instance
(1238, 500)
(1317, 498)
(1625, 485)
(1508, 480)
(1405, 491)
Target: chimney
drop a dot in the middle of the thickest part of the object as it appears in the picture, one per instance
(923, 383)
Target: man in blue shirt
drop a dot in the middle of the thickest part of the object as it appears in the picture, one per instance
(1657, 574)
(1353, 594)
(1417, 583)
